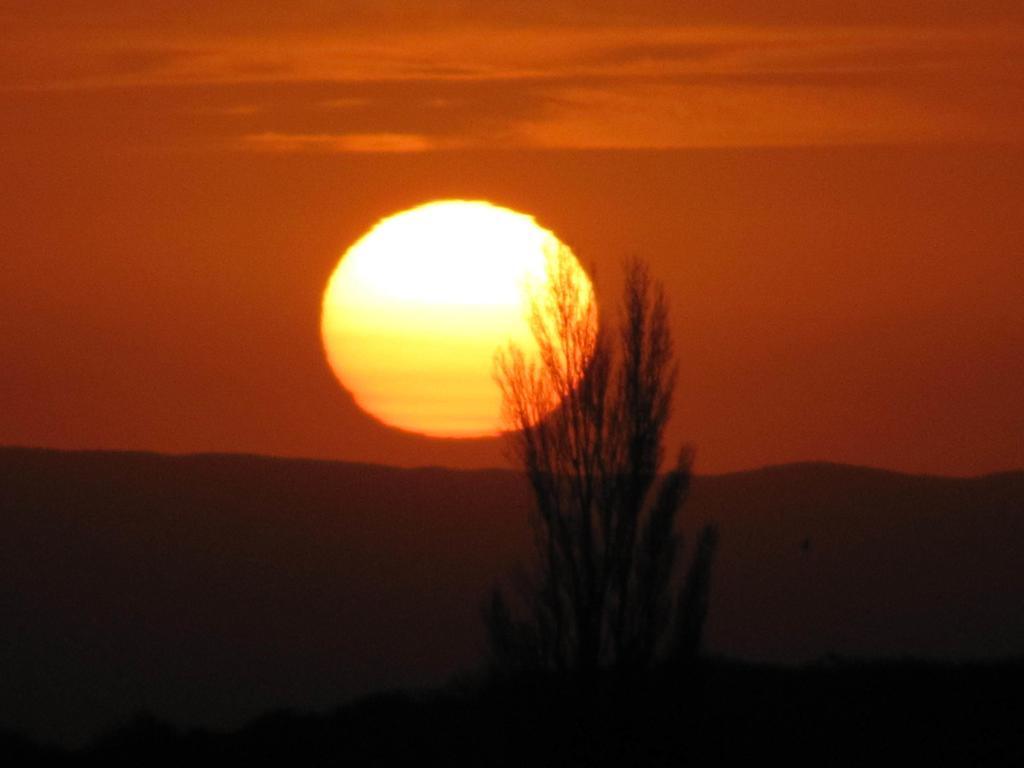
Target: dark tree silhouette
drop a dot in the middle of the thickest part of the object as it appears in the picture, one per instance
(586, 425)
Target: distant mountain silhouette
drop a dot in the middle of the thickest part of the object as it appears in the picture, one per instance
(207, 589)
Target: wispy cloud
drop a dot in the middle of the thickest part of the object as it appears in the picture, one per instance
(622, 85)
(344, 142)
(670, 116)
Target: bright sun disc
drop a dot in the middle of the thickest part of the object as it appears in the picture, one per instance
(416, 309)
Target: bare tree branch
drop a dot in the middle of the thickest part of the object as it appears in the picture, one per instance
(586, 423)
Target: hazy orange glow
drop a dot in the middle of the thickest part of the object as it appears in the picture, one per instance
(417, 308)
(830, 195)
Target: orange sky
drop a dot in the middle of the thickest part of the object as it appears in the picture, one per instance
(833, 199)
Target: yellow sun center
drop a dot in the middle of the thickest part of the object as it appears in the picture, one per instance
(416, 309)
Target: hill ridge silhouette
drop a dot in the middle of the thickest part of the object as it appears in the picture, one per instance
(207, 588)
(823, 464)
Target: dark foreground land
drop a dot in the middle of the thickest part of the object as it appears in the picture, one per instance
(209, 589)
(835, 713)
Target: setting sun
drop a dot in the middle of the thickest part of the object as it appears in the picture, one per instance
(417, 308)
